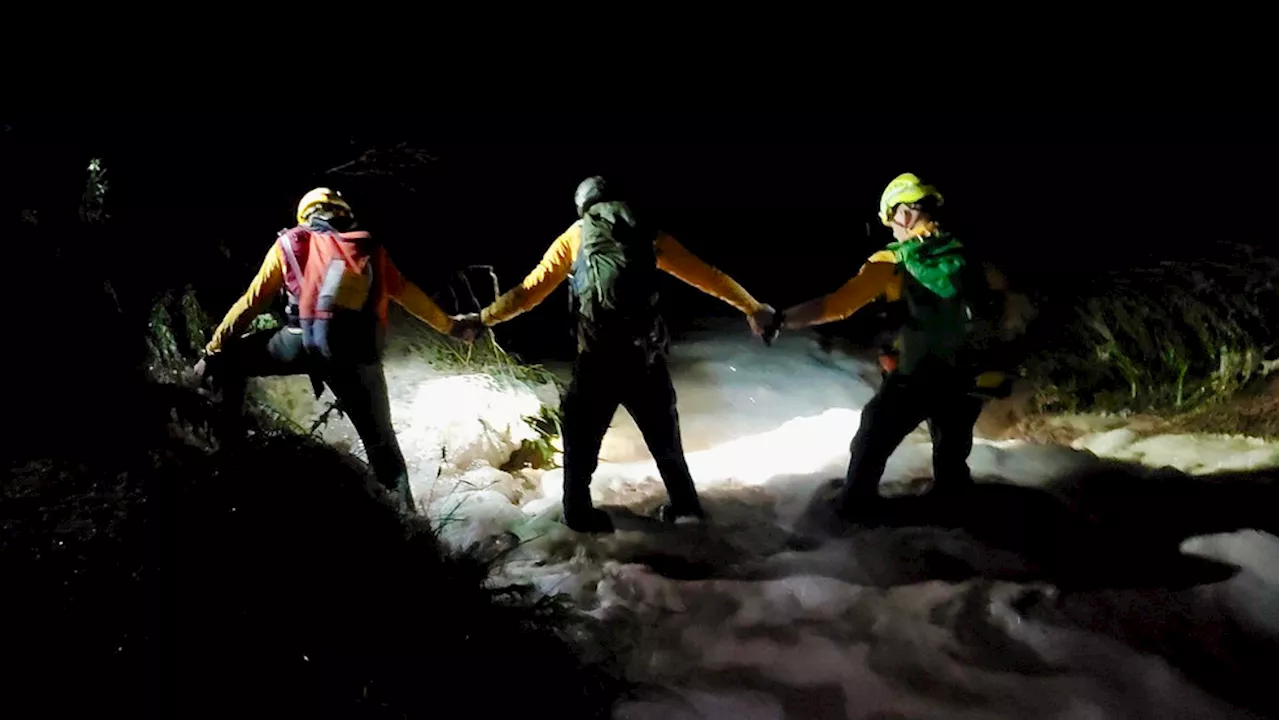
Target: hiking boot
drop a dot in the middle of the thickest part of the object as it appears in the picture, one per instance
(681, 516)
(588, 520)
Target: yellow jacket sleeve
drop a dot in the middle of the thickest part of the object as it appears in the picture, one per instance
(412, 298)
(878, 278)
(253, 302)
(675, 259)
(538, 284)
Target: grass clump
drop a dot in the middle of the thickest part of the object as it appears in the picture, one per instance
(411, 338)
(1173, 339)
(544, 451)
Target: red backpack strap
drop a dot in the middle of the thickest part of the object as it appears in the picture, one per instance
(351, 261)
(288, 240)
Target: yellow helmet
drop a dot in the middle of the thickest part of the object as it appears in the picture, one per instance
(906, 188)
(318, 197)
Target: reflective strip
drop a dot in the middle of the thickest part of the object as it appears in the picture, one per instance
(286, 244)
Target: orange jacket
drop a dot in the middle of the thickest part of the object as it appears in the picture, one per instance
(270, 280)
(878, 279)
(556, 263)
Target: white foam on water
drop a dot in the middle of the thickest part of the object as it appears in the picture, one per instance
(732, 620)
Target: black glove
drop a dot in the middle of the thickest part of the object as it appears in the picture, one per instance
(772, 330)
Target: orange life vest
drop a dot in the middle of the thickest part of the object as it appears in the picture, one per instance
(333, 282)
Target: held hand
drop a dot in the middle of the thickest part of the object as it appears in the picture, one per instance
(765, 323)
(772, 331)
(801, 316)
(760, 319)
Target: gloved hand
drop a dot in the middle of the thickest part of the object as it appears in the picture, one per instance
(201, 373)
(761, 319)
(765, 323)
(467, 327)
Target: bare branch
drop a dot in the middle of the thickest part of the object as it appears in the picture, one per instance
(388, 163)
(493, 276)
(457, 306)
(465, 281)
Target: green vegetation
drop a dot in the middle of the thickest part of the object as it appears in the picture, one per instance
(539, 453)
(93, 202)
(1175, 339)
(177, 331)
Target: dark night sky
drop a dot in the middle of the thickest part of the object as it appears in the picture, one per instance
(782, 202)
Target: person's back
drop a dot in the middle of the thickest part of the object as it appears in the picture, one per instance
(613, 284)
(612, 259)
(334, 286)
(338, 284)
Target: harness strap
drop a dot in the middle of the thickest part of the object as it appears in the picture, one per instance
(290, 256)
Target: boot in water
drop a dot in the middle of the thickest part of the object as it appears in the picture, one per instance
(588, 520)
(673, 515)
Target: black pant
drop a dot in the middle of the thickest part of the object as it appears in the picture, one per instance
(602, 381)
(361, 390)
(900, 405)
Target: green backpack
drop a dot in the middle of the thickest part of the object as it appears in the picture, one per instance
(613, 289)
(951, 314)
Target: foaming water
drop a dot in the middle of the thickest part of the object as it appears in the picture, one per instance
(989, 606)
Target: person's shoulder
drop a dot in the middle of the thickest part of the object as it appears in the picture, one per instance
(292, 238)
(568, 240)
(572, 233)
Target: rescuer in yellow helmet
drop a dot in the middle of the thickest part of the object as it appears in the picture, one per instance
(953, 352)
(338, 284)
